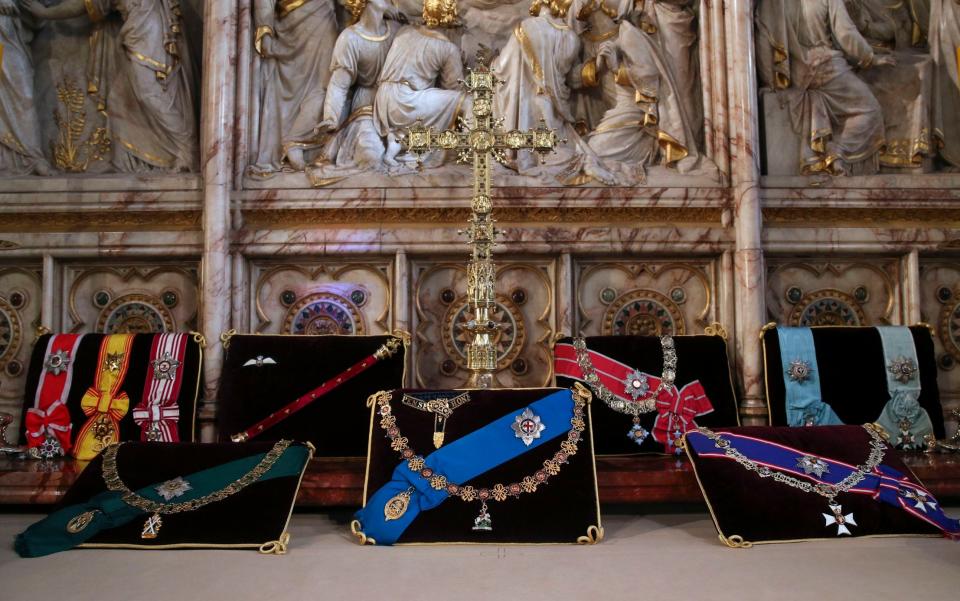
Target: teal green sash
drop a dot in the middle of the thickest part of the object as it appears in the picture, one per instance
(50, 535)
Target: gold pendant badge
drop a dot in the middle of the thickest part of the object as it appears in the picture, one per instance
(80, 522)
(397, 506)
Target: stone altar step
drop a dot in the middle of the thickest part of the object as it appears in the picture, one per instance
(651, 479)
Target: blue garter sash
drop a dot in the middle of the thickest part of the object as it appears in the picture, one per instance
(884, 484)
(461, 461)
(903, 419)
(804, 399)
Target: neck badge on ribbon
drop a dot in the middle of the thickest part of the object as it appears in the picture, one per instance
(48, 423)
(105, 403)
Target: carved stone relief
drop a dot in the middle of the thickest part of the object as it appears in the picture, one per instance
(313, 297)
(622, 82)
(648, 298)
(107, 86)
(833, 293)
(130, 298)
(20, 302)
(885, 82)
(940, 307)
(525, 312)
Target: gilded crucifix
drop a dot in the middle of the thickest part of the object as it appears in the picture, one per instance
(478, 140)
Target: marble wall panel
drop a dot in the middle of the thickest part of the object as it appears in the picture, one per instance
(940, 307)
(812, 292)
(665, 296)
(526, 310)
(152, 296)
(322, 297)
(20, 306)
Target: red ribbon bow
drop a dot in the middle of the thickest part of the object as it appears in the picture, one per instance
(676, 410)
(55, 421)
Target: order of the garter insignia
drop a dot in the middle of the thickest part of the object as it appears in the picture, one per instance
(57, 362)
(636, 385)
(903, 369)
(838, 519)
(813, 465)
(173, 488)
(527, 426)
(165, 367)
(397, 506)
(799, 370)
(259, 361)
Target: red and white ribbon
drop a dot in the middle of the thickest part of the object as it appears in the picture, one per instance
(49, 416)
(158, 411)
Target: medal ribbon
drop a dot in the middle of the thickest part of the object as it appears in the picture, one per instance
(158, 412)
(804, 398)
(675, 407)
(461, 461)
(50, 535)
(385, 351)
(898, 346)
(104, 403)
(49, 415)
(884, 484)
(677, 410)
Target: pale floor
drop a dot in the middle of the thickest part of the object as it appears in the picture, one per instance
(644, 558)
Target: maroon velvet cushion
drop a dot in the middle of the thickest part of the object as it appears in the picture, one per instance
(853, 377)
(336, 424)
(561, 511)
(85, 371)
(702, 358)
(761, 510)
(255, 515)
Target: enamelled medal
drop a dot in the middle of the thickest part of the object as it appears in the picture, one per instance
(526, 426)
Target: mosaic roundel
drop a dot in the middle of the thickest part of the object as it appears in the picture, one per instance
(508, 342)
(643, 313)
(827, 308)
(323, 313)
(11, 331)
(950, 328)
(135, 314)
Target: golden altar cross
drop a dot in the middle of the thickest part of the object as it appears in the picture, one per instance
(479, 140)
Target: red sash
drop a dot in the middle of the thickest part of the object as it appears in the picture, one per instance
(49, 417)
(676, 409)
(158, 412)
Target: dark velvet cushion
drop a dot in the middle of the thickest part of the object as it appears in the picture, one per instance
(559, 512)
(85, 372)
(336, 423)
(702, 358)
(255, 515)
(762, 510)
(853, 375)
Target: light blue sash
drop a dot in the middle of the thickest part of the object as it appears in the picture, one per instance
(902, 417)
(461, 461)
(804, 399)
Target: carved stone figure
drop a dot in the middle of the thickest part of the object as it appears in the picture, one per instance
(539, 66)
(805, 50)
(295, 40)
(20, 152)
(420, 79)
(904, 90)
(598, 92)
(358, 58)
(673, 25)
(647, 126)
(944, 41)
(141, 77)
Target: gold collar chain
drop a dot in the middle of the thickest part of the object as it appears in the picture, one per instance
(397, 506)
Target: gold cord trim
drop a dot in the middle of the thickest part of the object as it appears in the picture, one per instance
(276, 547)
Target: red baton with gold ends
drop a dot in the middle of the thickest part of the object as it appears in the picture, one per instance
(387, 350)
